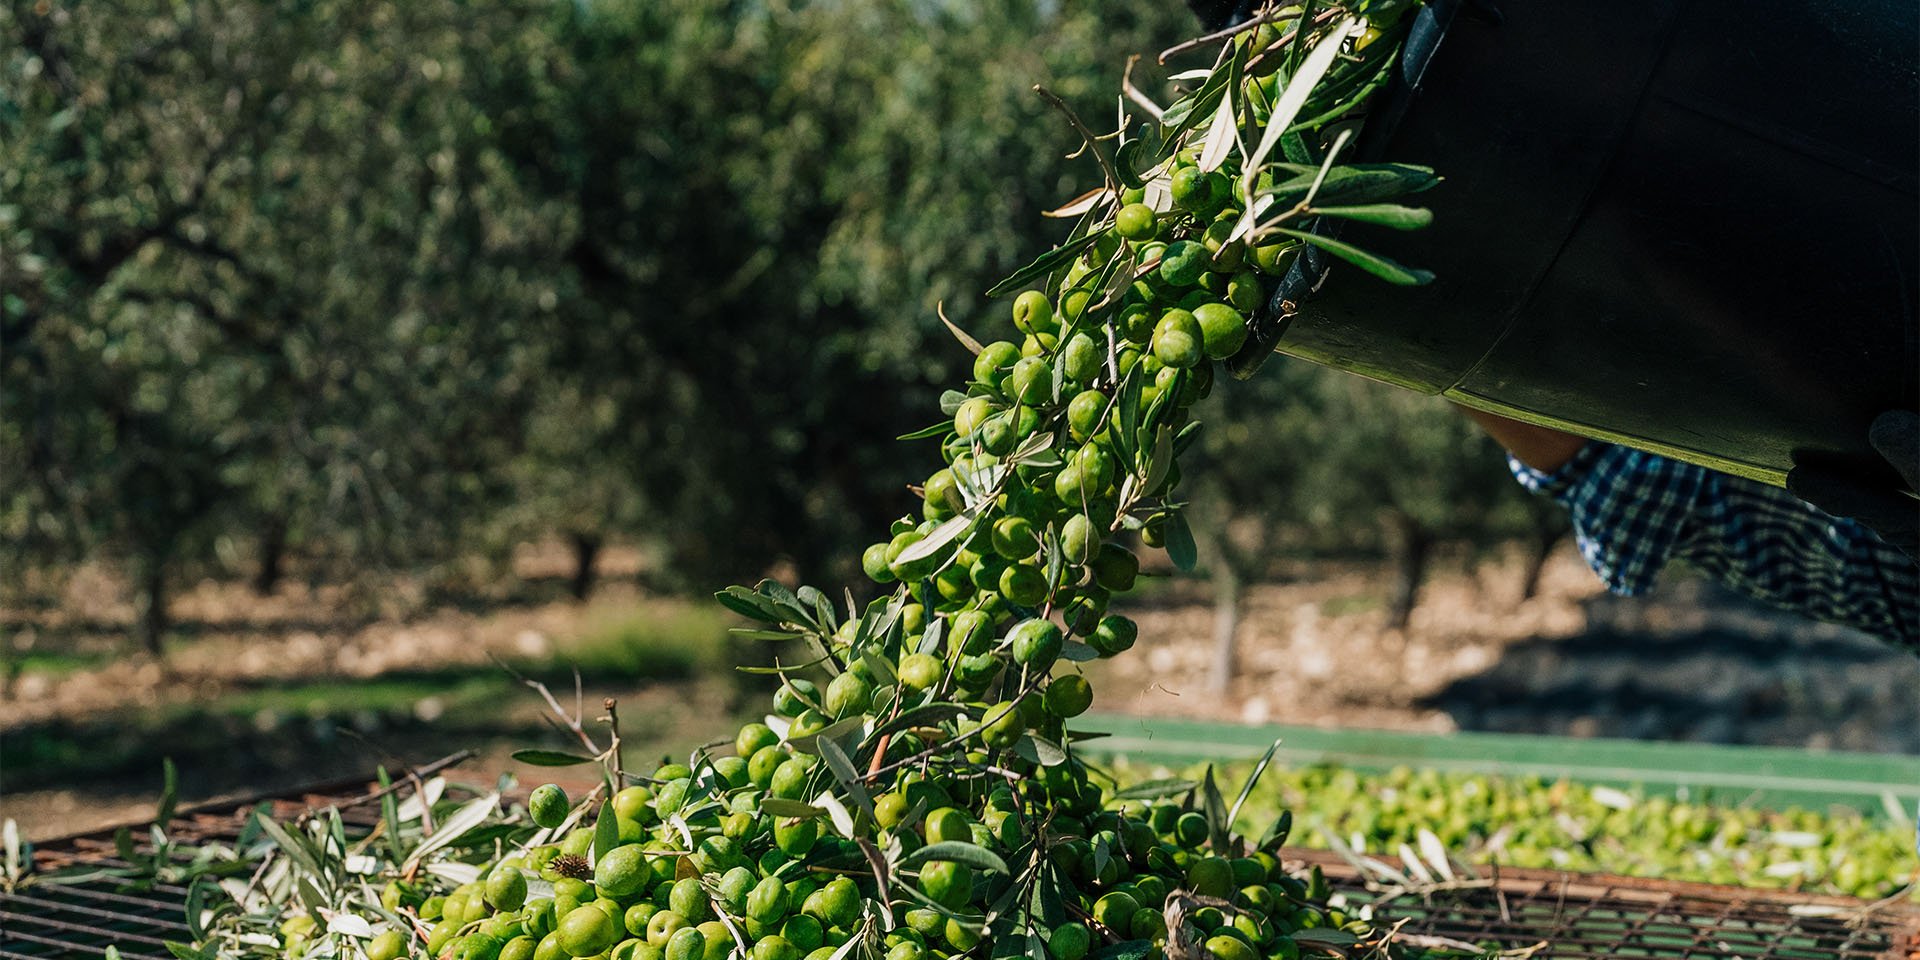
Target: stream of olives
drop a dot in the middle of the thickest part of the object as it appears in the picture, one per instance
(931, 799)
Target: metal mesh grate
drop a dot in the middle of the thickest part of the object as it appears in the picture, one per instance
(1575, 915)
(80, 919)
(1595, 915)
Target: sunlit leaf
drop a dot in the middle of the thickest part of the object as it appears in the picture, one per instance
(1040, 750)
(1253, 778)
(469, 816)
(1077, 206)
(606, 831)
(966, 340)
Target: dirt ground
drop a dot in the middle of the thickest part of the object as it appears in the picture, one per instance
(1688, 664)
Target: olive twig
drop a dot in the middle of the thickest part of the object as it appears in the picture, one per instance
(1093, 142)
(1133, 93)
(1269, 15)
(613, 727)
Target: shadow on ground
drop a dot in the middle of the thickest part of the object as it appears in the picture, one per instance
(1697, 663)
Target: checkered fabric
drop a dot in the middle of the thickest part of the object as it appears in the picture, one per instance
(1634, 512)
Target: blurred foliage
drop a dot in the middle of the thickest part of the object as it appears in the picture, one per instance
(383, 285)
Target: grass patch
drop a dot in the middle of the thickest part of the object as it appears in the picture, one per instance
(264, 727)
(1349, 605)
(663, 641)
(54, 664)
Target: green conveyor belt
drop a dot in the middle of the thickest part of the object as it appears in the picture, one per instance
(1769, 777)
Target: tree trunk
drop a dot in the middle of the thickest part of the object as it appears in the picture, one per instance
(1413, 549)
(273, 551)
(586, 549)
(150, 601)
(1228, 589)
(1546, 536)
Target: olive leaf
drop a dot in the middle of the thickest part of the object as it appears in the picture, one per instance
(169, 792)
(1156, 789)
(1076, 651)
(1187, 112)
(1219, 830)
(1293, 97)
(836, 812)
(1048, 905)
(827, 734)
(948, 531)
(550, 758)
(390, 816)
(1077, 206)
(1008, 947)
(1373, 263)
(1181, 549)
(783, 807)
(957, 851)
(1331, 937)
(1219, 136)
(932, 430)
(1040, 750)
(606, 831)
(748, 633)
(1043, 264)
(843, 772)
(1159, 461)
(1354, 184)
(186, 952)
(1246, 789)
(966, 340)
(950, 401)
(452, 828)
(750, 604)
(779, 670)
(930, 715)
(1353, 86)
(197, 893)
(302, 854)
(1276, 835)
(1391, 215)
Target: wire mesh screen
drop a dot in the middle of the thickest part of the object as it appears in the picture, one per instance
(1564, 915)
(1593, 915)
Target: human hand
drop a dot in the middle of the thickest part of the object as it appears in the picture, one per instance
(1891, 513)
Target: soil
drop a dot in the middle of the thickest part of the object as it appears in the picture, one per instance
(1688, 663)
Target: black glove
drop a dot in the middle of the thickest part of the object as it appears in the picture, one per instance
(1220, 14)
(1891, 513)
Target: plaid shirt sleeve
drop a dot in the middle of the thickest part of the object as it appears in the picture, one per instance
(1633, 512)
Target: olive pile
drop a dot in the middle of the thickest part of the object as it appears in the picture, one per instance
(1533, 822)
(792, 891)
(916, 790)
